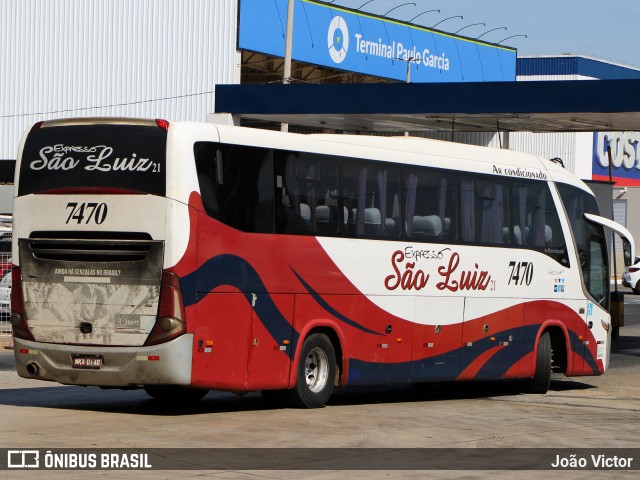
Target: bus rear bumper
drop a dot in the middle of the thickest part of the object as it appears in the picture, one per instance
(165, 364)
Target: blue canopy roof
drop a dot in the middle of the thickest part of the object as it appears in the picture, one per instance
(576, 105)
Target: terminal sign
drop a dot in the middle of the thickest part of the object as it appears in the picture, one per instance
(332, 36)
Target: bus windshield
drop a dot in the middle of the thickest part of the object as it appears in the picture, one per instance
(120, 157)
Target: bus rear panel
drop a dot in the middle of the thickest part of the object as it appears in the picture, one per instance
(89, 285)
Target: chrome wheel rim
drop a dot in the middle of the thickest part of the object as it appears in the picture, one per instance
(316, 369)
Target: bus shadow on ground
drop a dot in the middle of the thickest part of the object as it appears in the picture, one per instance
(125, 401)
(626, 345)
(425, 392)
(138, 402)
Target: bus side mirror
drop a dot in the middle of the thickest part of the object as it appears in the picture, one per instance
(626, 248)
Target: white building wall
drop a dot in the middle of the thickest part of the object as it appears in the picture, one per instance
(584, 155)
(537, 78)
(575, 149)
(143, 58)
(547, 145)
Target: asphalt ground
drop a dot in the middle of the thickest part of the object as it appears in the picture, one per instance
(588, 412)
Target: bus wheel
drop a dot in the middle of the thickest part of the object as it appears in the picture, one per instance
(316, 373)
(173, 393)
(541, 380)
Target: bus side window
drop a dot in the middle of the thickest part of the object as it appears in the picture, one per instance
(491, 197)
(206, 157)
(529, 214)
(430, 205)
(236, 185)
(576, 204)
(306, 194)
(371, 199)
(485, 214)
(535, 220)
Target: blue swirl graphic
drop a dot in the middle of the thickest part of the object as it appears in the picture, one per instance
(320, 301)
(236, 272)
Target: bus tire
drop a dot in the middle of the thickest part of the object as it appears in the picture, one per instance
(175, 393)
(541, 380)
(316, 373)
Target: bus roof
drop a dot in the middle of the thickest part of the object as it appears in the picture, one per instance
(400, 149)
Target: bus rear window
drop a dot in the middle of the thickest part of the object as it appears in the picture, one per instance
(101, 158)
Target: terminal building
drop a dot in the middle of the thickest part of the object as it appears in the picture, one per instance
(168, 60)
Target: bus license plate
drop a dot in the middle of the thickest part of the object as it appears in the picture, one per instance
(91, 362)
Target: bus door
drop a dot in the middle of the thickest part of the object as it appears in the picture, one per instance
(492, 338)
(596, 277)
(597, 281)
(437, 338)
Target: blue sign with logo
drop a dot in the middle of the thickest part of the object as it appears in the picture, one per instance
(335, 37)
(625, 157)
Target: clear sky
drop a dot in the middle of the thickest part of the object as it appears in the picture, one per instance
(606, 29)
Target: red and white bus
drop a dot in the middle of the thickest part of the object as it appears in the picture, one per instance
(181, 257)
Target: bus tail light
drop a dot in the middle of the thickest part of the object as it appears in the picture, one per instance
(171, 321)
(162, 123)
(18, 316)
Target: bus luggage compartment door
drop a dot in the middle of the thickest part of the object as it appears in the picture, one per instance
(493, 338)
(437, 337)
(271, 347)
(221, 341)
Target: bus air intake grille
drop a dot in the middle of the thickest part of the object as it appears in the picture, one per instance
(89, 250)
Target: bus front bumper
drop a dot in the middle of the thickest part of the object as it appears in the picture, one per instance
(126, 367)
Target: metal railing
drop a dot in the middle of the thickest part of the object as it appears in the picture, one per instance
(5, 297)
